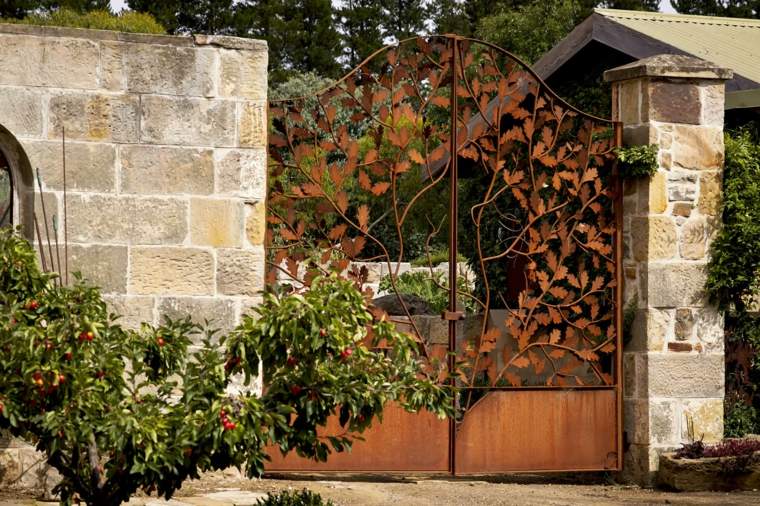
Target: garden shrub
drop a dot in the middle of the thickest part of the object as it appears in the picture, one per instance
(117, 410)
(430, 286)
(300, 498)
(733, 277)
(638, 161)
(126, 21)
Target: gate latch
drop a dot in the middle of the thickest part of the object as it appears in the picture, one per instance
(453, 315)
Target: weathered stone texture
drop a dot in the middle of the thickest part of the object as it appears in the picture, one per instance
(653, 237)
(166, 170)
(48, 61)
(698, 147)
(705, 417)
(216, 222)
(103, 266)
(21, 111)
(98, 218)
(89, 166)
(219, 313)
(675, 285)
(240, 272)
(241, 74)
(682, 186)
(674, 102)
(241, 172)
(255, 223)
(94, 117)
(685, 376)
(693, 244)
(171, 271)
(684, 324)
(187, 121)
(651, 328)
(252, 126)
(653, 194)
(132, 309)
(170, 70)
(630, 102)
(710, 193)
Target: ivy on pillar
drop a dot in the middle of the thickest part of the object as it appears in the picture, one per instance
(673, 362)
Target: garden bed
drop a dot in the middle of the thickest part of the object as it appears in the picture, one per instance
(733, 464)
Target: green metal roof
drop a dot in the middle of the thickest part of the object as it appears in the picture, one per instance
(728, 42)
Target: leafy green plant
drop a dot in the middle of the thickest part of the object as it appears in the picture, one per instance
(300, 498)
(126, 21)
(435, 257)
(732, 276)
(740, 418)
(116, 410)
(638, 161)
(430, 286)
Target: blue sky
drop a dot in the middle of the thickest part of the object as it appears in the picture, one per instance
(118, 5)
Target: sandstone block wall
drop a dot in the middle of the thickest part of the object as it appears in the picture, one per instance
(166, 168)
(673, 364)
(165, 159)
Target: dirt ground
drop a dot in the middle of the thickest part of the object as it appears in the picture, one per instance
(521, 490)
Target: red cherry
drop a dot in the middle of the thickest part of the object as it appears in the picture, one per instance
(100, 374)
(90, 335)
(61, 379)
(222, 413)
(68, 355)
(347, 352)
(292, 361)
(160, 341)
(32, 305)
(322, 332)
(82, 336)
(295, 389)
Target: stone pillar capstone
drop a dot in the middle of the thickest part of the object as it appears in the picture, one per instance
(673, 365)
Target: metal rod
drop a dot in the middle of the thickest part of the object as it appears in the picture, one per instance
(453, 218)
(57, 249)
(618, 209)
(39, 242)
(65, 211)
(45, 220)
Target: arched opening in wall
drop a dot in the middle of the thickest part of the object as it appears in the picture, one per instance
(16, 185)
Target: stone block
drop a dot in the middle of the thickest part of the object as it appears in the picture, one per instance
(697, 147)
(682, 186)
(629, 375)
(675, 285)
(102, 266)
(713, 104)
(663, 422)
(674, 102)
(135, 220)
(51, 205)
(241, 172)
(685, 376)
(187, 121)
(682, 209)
(702, 419)
(651, 328)
(170, 70)
(243, 74)
(216, 222)
(89, 167)
(653, 238)
(684, 324)
(94, 117)
(240, 272)
(151, 169)
(220, 313)
(252, 125)
(709, 324)
(693, 242)
(171, 271)
(629, 96)
(132, 310)
(639, 135)
(652, 194)
(21, 111)
(112, 75)
(255, 223)
(710, 193)
(56, 62)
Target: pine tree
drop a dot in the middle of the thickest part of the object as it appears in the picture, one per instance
(360, 29)
(403, 19)
(20, 8)
(190, 16)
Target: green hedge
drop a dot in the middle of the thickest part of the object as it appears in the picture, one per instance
(126, 21)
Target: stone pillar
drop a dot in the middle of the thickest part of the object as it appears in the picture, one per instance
(673, 359)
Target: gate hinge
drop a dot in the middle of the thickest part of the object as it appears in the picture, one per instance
(453, 315)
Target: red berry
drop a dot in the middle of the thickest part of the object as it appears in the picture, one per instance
(322, 332)
(82, 336)
(222, 413)
(68, 355)
(61, 379)
(32, 305)
(292, 361)
(100, 374)
(2, 407)
(295, 389)
(347, 352)
(48, 345)
(160, 341)
(90, 335)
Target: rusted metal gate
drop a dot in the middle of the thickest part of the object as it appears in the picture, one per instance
(364, 170)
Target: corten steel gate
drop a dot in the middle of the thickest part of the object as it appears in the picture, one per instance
(364, 171)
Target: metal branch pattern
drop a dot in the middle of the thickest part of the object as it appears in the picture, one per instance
(361, 172)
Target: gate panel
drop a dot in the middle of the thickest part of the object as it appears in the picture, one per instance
(539, 430)
(453, 146)
(401, 442)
